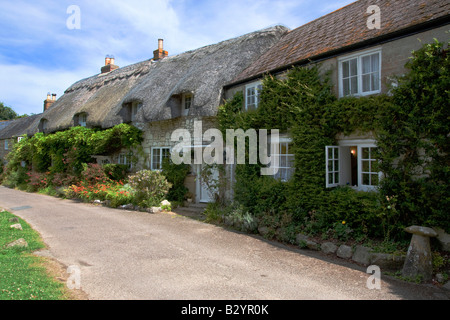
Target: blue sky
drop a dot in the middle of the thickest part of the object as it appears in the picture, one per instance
(40, 54)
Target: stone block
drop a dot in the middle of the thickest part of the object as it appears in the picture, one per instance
(362, 255)
(387, 261)
(344, 252)
(328, 247)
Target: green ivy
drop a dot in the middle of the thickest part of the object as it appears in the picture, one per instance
(411, 126)
(67, 151)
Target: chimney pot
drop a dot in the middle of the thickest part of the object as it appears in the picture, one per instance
(109, 65)
(160, 53)
(51, 98)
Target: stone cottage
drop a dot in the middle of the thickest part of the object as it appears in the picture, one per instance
(363, 44)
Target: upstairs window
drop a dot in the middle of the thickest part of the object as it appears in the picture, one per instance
(252, 92)
(43, 124)
(360, 74)
(80, 119)
(186, 103)
(6, 145)
(135, 107)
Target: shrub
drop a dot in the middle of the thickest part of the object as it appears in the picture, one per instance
(116, 172)
(150, 187)
(175, 175)
(93, 173)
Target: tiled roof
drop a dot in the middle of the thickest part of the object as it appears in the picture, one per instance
(345, 28)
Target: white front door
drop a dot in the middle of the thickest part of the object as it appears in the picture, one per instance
(205, 194)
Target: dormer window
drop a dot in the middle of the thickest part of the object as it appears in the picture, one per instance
(43, 124)
(135, 107)
(186, 103)
(80, 119)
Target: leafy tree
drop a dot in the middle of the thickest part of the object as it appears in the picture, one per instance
(6, 113)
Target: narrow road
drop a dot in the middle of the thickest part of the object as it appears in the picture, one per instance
(135, 255)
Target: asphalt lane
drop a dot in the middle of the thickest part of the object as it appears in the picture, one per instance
(124, 255)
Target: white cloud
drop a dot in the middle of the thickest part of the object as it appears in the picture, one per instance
(40, 54)
(24, 88)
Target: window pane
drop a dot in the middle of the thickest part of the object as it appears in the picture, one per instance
(346, 87)
(354, 67)
(375, 62)
(365, 166)
(283, 148)
(366, 179)
(374, 166)
(366, 83)
(336, 165)
(365, 153)
(330, 178)
(330, 165)
(366, 64)
(336, 177)
(336, 153)
(354, 85)
(375, 79)
(283, 161)
(345, 69)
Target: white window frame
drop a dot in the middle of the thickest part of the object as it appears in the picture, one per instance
(160, 156)
(126, 159)
(135, 107)
(359, 144)
(331, 167)
(82, 119)
(19, 139)
(359, 56)
(256, 86)
(186, 103)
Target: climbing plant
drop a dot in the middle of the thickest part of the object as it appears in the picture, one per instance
(411, 126)
(67, 151)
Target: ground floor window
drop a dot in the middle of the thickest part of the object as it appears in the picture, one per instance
(158, 156)
(125, 159)
(285, 159)
(353, 163)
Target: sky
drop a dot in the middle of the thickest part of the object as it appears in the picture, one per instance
(46, 46)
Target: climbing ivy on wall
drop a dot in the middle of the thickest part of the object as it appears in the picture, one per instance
(411, 127)
(66, 151)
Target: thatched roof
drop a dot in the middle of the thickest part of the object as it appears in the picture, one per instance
(17, 127)
(158, 84)
(100, 97)
(202, 72)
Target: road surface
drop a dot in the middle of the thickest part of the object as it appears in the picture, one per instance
(125, 255)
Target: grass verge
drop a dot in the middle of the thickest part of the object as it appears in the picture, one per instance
(24, 276)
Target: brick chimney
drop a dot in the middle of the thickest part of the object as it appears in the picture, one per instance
(160, 53)
(51, 99)
(109, 64)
